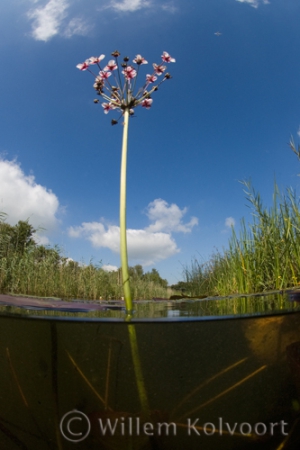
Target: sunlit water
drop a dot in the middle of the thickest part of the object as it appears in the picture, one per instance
(219, 373)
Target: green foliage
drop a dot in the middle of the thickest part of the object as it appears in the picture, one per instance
(264, 256)
(28, 268)
(16, 238)
(155, 278)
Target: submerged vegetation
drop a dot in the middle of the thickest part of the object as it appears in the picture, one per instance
(31, 269)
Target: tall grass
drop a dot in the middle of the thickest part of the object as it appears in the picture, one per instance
(55, 276)
(265, 255)
(32, 269)
(50, 277)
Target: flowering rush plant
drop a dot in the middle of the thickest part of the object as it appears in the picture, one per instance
(121, 95)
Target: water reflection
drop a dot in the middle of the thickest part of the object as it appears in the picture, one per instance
(185, 309)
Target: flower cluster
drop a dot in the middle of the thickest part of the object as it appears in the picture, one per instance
(121, 96)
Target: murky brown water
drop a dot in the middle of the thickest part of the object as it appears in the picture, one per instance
(179, 376)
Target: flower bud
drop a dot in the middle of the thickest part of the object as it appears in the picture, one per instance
(167, 76)
(114, 122)
(126, 59)
(96, 100)
(115, 53)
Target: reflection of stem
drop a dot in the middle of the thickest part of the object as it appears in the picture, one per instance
(205, 383)
(224, 392)
(87, 381)
(138, 370)
(54, 382)
(123, 237)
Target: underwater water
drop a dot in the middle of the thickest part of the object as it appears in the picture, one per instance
(209, 374)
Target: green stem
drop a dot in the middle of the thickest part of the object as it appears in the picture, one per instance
(123, 238)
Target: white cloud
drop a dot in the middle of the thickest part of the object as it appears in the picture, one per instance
(77, 26)
(130, 5)
(109, 268)
(254, 3)
(229, 222)
(41, 240)
(147, 246)
(47, 20)
(169, 7)
(168, 218)
(144, 246)
(56, 17)
(21, 198)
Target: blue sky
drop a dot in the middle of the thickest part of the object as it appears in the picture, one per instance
(226, 115)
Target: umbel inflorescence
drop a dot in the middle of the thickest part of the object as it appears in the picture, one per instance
(121, 95)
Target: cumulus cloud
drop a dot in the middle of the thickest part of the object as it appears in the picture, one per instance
(41, 240)
(229, 222)
(21, 198)
(144, 246)
(147, 246)
(254, 3)
(130, 5)
(168, 217)
(109, 268)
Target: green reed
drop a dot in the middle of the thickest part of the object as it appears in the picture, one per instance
(50, 276)
(264, 255)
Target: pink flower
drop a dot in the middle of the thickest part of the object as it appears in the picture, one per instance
(96, 60)
(83, 66)
(147, 103)
(107, 107)
(123, 96)
(111, 65)
(104, 75)
(167, 58)
(129, 73)
(159, 69)
(140, 60)
(151, 78)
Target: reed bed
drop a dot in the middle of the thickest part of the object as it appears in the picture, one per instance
(55, 276)
(51, 278)
(264, 256)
